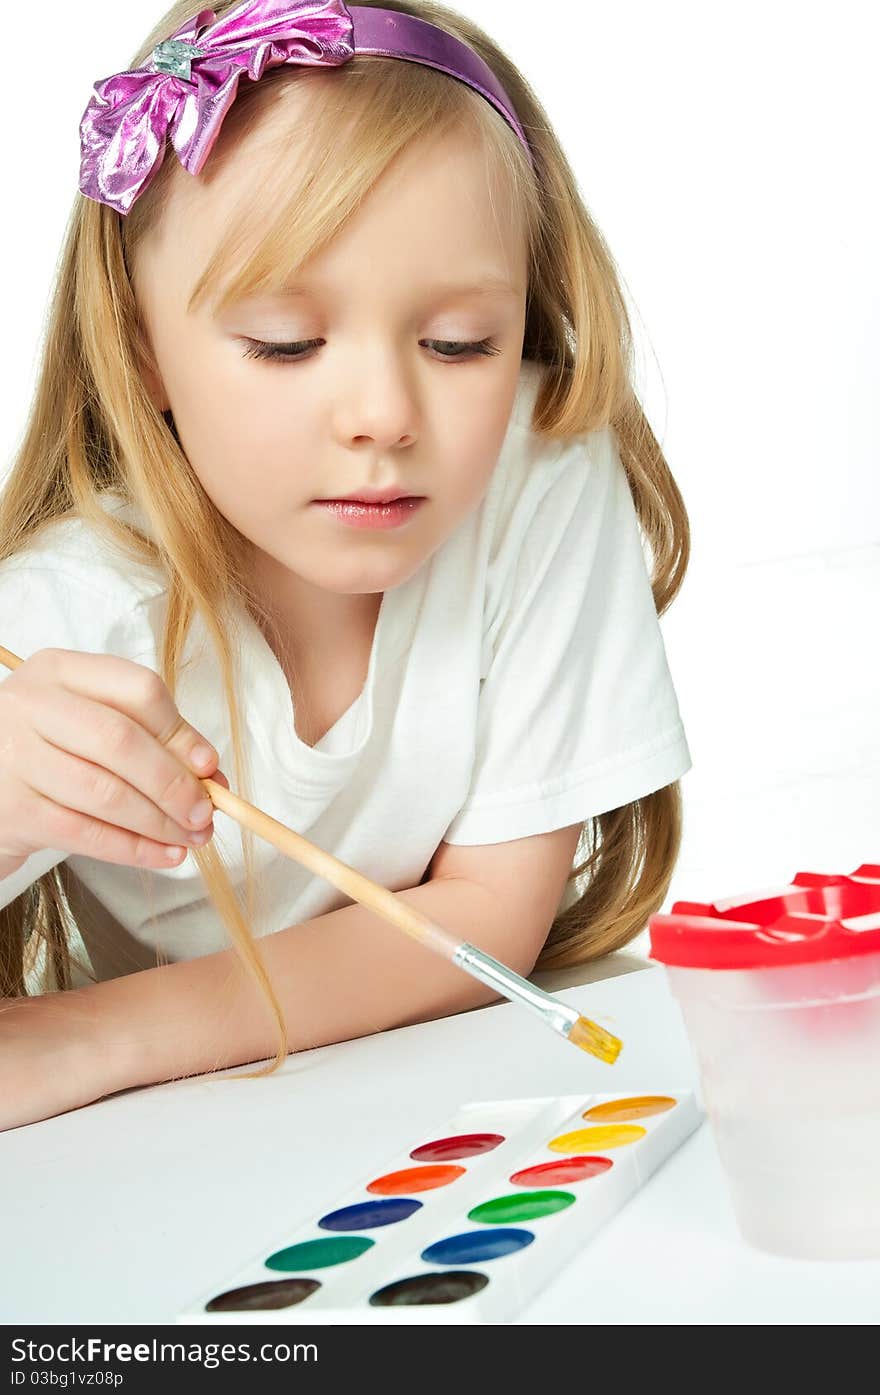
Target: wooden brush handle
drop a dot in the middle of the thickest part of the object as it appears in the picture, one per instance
(360, 888)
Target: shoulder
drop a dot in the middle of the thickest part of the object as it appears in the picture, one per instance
(541, 489)
(72, 588)
(532, 466)
(71, 553)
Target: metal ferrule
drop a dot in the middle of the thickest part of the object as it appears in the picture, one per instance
(496, 975)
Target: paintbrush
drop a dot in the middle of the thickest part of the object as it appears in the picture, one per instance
(567, 1021)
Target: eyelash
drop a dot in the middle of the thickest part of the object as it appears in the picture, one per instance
(260, 349)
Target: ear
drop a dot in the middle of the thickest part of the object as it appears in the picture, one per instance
(150, 373)
(155, 387)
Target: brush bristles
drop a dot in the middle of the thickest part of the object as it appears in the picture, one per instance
(589, 1036)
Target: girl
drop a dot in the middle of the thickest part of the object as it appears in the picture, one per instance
(334, 476)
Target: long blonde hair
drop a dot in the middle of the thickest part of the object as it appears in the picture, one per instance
(93, 427)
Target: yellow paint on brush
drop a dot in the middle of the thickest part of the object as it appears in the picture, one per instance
(588, 1140)
(589, 1036)
(636, 1107)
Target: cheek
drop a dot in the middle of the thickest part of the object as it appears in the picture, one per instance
(479, 447)
(243, 435)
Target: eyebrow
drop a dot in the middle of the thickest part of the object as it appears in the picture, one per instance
(486, 285)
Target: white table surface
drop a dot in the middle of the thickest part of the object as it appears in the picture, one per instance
(127, 1210)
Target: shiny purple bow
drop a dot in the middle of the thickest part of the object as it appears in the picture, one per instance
(188, 84)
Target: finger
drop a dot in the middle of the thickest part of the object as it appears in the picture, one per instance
(91, 791)
(120, 715)
(74, 832)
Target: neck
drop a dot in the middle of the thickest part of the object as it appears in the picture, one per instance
(309, 619)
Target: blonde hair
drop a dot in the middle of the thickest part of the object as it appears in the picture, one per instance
(93, 427)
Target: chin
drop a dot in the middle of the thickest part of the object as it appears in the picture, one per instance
(376, 583)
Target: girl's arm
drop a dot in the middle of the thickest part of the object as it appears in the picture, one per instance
(340, 975)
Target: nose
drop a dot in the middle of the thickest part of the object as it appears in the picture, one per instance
(380, 407)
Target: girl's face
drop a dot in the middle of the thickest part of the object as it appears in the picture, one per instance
(389, 396)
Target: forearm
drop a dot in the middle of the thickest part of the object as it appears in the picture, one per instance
(341, 975)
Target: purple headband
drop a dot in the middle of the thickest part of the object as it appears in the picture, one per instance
(191, 79)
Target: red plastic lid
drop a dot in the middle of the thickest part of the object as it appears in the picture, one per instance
(815, 917)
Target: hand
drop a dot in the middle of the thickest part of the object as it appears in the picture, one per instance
(50, 1059)
(95, 759)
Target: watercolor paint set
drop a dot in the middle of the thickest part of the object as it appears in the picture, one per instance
(470, 1223)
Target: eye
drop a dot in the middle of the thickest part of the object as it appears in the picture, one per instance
(293, 352)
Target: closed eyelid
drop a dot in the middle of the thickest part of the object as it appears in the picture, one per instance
(296, 350)
(503, 299)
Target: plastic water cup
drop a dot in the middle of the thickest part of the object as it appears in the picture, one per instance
(781, 1002)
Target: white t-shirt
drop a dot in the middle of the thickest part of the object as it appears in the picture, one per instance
(517, 683)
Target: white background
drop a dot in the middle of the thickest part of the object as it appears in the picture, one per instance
(727, 153)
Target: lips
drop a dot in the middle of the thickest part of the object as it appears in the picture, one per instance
(358, 513)
(370, 496)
